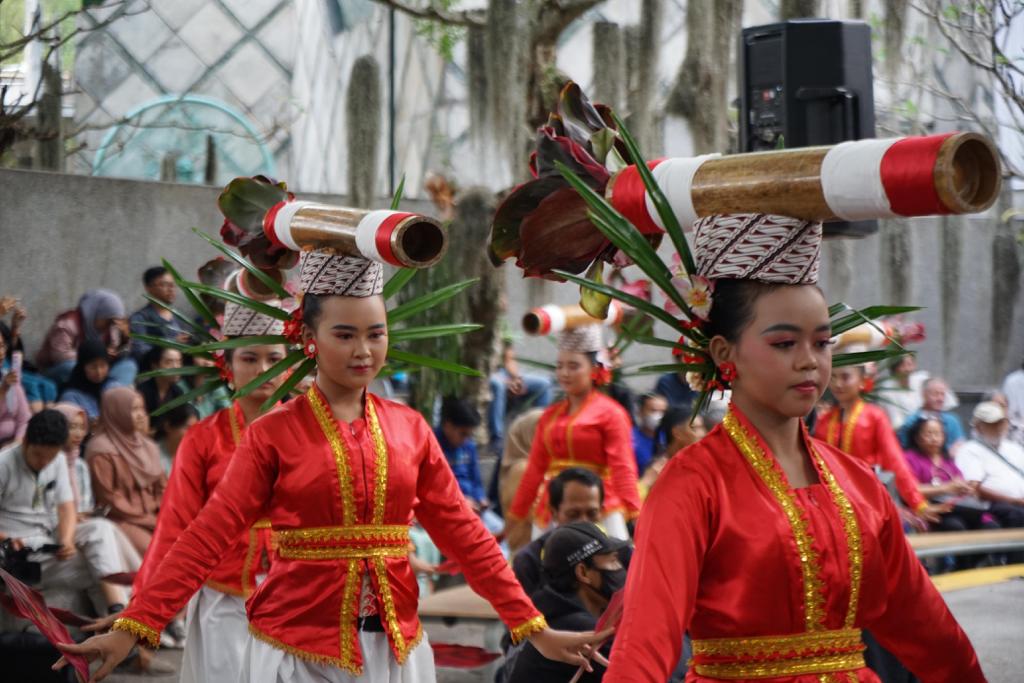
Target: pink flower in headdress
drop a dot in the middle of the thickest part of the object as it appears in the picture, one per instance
(696, 291)
(639, 288)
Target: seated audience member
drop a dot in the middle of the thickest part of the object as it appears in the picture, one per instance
(998, 464)
(933, 400)
(89, 379)
(127, 476)
(511, 389)
(81, 484)
(14, 408)
(99, 317)
(154, 320)
(575, 495)
(1013, 390)
(1016, 431)
(647, 439)
(40, 391)
(455, 435)
(156, 391)
(942, 482)
(582, 571)
(677, 432)
(37, 509)
(676, 390)
(170, 429)
(218, 399)
(518, 441)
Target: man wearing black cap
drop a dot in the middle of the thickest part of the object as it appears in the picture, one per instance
(582, 571)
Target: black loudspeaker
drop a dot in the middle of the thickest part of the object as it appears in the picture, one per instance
(803, 83)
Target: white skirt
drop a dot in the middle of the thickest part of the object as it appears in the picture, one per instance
(217, 631)
(264, 663)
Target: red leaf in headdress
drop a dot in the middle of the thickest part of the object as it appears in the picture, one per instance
(579, 158)
(558, 234)
(505, 238)
(29, 604)
(461, 656)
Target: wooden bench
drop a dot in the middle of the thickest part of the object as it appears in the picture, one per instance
(940, 543)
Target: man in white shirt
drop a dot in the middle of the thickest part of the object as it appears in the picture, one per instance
(1013, 387)
(37, 509)
(997, 463)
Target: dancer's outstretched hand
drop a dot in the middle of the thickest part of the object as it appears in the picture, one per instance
(569, 647)
(110, 649)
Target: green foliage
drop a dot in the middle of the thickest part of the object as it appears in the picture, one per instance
(442, 37)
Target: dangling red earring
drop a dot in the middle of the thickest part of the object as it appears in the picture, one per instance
(727, 371)
(310, 349)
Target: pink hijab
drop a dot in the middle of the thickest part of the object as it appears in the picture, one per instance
(70, 412)
(116, 434)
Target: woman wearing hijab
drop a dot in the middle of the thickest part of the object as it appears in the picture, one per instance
(125, 465)
(99, 317)
(88, 379)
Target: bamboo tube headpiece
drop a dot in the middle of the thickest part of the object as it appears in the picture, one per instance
(552, 319)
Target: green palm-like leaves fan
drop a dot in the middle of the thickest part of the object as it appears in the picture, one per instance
(625, 237)
(295, 362)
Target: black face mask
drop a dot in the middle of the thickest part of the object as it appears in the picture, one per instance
(612, 580)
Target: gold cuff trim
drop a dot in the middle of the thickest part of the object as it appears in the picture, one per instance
(797, 643)
(262, 524)
(314, 657)
(807, 665)
(527, 629)
(148, 634)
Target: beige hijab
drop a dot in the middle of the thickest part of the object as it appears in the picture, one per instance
(116, 434)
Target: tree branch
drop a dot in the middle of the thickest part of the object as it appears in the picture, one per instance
(469, 17)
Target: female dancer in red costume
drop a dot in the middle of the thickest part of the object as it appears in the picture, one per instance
(770, 548)
(340, 473)
(588, 429)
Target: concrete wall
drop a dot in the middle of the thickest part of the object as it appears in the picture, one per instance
(63, 234)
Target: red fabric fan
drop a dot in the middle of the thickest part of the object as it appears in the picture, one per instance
(461, 656)
(29, 604)
(66, 616)
(611, 616)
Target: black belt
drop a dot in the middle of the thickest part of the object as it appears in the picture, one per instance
(370, 624)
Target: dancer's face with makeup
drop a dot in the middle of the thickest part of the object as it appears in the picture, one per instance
(783, 355)
(351, 337)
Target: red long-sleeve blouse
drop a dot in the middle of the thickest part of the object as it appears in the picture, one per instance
(597, 437)
(866, 434)
(774, 584)
(340, 498)
(199, 465)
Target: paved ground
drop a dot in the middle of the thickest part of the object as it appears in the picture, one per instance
(993, 617)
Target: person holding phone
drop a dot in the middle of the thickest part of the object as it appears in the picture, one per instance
(14, 408)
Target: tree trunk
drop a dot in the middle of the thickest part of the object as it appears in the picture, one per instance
(51, 120)
(363, 110)
(609, 65)
(476, 58)
(895, 21)
(700, 93)
(474, 209)
(797, 9)
(642, 73)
